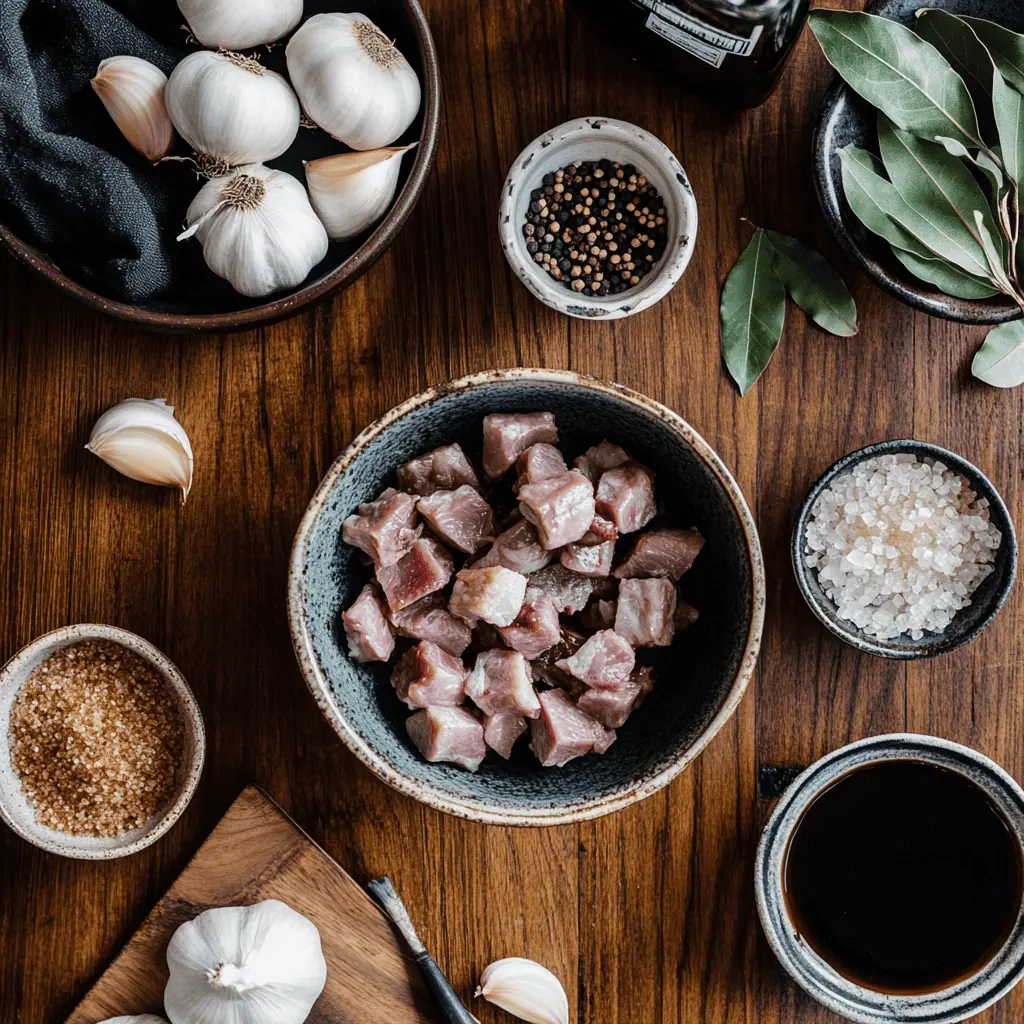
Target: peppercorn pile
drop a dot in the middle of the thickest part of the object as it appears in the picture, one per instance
(598, 227)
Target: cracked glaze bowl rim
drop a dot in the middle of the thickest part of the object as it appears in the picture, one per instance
(477, 808)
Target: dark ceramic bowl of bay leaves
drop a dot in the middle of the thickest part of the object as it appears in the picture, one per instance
(846, 119)
(701, 678)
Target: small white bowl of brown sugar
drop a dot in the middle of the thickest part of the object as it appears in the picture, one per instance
(102, 742)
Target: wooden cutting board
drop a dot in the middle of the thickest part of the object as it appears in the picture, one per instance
(257, 852)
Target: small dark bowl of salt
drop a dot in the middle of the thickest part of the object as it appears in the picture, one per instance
(903, 549)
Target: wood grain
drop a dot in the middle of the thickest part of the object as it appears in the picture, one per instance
(256, 853)
(647, 916)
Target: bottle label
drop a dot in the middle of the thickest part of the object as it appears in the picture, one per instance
(703, 41)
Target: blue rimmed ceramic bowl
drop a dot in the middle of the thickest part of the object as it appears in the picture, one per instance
(702, 676)
(986, 601)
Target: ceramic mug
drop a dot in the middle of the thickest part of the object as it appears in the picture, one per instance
(816, 976)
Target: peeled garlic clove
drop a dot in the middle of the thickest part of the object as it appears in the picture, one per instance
(238, 24)
(352, 190)
(232, 108)
(142, 1018)
(525, 989)
(257, 230)
(132, 90)
(141, 439)
(352, 80)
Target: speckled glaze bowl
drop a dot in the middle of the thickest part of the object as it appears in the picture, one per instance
(986, 601)
(15, 811)
(599, 138)
(847, 120)
(810, 971)
(702, 676)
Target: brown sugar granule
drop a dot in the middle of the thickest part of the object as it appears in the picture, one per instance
(96, 740)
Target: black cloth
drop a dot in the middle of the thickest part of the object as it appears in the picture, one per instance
(70, 184)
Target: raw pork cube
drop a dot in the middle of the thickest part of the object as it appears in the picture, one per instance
(501, 681)
(686, 615)
(366, 628)
(508, 435)
(569, 590)
(645, 614)
(518, 549)
(385, 529)
(589, 560)
(442, 469)
(427, 676)
(430, 619)
(612, 707)
(561, 507)
(563, 732)
(667, 553)
(502, 730)
(448, 734)
(494, 595)
(601, 530)
(545, 667)
(625, 495)
(605, 661)
(460, 518)
(536, 628)
(539, 462)
(602, 457)
(426, 568)
(599, 614)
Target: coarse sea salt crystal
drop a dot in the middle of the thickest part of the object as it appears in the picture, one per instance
(900, 545)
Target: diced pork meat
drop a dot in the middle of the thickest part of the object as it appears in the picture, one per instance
(502, 730)
(545, 669)
(667, 553)
(427, 676)
(563, 732)
(461, 518)
(605, 661)
(539, 462)
(494, 595)
(599, 614)
(366, 628)
(569, 590)
(601, 530)
(599, 459)
(508, 435)
(443, 469)
(612, 707)
(385, 529)
(448, 734)
(426, 568)
(501, 681)
(625, 495)
(518, 549)
(536, 628)
(430, 619)
(561, 507)
(686, 615)
(645, 614)
(594, 560)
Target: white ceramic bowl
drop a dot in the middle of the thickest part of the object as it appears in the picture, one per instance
(15, 810)
(599, 138)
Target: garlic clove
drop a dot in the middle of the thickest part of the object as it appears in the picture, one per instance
(141, 1018)
(132, 90)
(525, 989)
(352, 80)
(239, 24)
(142, 440)
(350, 191)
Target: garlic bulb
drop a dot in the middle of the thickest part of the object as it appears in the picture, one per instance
(257, 229)
(132, 90)
(352, 190)
(141, 439)
(352, 80)
(244, 965)
(231, 108)
(526, 989)
(142, 1018)
(238, 24)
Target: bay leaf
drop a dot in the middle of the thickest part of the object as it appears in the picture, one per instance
(1000, 360)
(947, 279)
(753, 312)
(966, 53)
(1008, 105)
(897, 71)
(1005, 47)
(814, 285)
(994, 254)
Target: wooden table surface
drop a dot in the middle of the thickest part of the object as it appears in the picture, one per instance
(647, 916)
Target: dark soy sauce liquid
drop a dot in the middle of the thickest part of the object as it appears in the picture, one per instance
(904, 877)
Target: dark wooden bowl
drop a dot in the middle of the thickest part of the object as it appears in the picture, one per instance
(224, 309)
